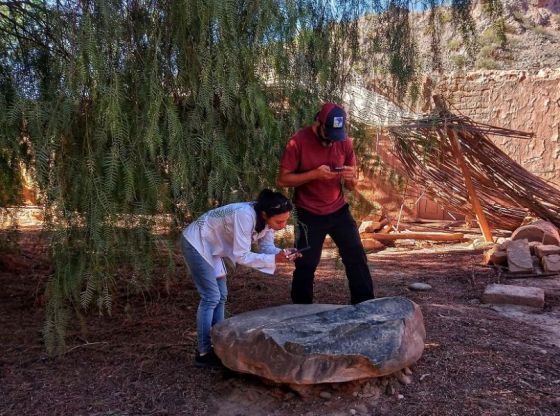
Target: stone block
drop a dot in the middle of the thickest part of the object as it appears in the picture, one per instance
(495, 256)
(551, 264)
(519, 257)
(533, 247)
(547, 250)
(514, 295)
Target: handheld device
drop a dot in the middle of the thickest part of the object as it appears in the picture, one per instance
(299, 250)
(338, 168)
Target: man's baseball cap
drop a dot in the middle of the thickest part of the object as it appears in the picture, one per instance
(333, 118)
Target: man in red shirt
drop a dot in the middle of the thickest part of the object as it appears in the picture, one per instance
(318, 161)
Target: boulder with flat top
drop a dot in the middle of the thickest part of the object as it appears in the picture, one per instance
(310, 344)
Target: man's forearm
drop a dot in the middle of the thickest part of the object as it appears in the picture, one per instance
(294, 179)
(350, 184)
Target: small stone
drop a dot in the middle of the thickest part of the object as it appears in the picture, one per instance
(400, 397)
(353, 411)
(419, 286)
(355, 394)
(407, 371)
(551, 263)
(547, 250)
(361, 408)
(501, 240)
(325, 395)
(403, 378)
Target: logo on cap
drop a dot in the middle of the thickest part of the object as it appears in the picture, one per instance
(333, 117)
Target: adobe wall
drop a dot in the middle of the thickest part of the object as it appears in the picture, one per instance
(518, 100)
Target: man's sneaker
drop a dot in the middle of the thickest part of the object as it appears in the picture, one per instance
(210, 359)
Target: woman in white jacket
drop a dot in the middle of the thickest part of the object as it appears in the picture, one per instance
(229, 232)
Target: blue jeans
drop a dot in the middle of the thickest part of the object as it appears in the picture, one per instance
(212, 291)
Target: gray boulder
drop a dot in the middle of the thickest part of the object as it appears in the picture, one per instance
(309, 344)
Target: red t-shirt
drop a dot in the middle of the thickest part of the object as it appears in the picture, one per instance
(304, 152)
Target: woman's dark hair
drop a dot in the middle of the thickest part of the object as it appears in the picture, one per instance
(271, 203)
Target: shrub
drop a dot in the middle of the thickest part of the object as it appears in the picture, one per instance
(459, 61)
(486, 63)
(454, 44)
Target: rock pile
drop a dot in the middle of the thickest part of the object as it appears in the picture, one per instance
(534, 249)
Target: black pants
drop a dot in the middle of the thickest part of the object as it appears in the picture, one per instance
(342, 228)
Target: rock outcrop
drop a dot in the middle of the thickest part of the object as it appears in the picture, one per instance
(309, 344)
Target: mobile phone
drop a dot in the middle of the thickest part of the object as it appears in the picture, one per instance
(338, 168)
(299, 250)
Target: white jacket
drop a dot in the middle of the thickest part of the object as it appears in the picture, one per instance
(229, 231)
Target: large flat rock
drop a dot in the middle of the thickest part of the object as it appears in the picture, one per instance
(309, 344)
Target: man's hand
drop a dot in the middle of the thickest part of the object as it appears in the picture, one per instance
(288, 178)
(349, 173)
(324, 172)
(349, 176)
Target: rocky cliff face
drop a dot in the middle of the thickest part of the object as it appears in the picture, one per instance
(532, 31)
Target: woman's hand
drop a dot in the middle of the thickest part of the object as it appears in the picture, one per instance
(286, 255)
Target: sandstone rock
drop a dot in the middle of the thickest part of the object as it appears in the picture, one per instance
(514, 295)
(542, 231)
(546, 250)
(551, 263)
(519, 257)
(371, 226)
(372, 244)
(495, 256)
(533, 246)
(499, 258)
(403, 378)
(503, 245)
(309, 344)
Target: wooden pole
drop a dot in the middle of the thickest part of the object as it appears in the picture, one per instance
(431, 236)
(473, 197)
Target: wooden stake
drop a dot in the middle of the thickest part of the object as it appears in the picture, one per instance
(473, 197)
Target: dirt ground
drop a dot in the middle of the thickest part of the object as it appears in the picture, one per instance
(477, 361)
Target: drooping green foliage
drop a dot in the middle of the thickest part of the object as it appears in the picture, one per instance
(130, 114)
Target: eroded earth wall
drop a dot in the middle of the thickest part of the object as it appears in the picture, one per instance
(518, 100)
(521, 100)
